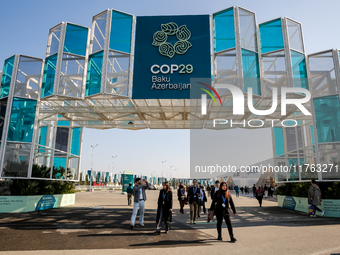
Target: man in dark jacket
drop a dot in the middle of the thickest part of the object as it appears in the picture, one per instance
(314, 197)
(193, 196)
(215, 189)
(129, 192)
(181, 197)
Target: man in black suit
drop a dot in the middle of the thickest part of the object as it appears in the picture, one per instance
(193, 196)
(215, 189)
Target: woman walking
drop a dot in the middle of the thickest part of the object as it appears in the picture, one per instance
(220, 206)
(181, 197)
(164, 209)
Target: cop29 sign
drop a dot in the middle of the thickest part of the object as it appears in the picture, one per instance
(169, 51)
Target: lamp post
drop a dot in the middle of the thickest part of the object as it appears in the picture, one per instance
(113, 161)
(162, 171)
(93, 147)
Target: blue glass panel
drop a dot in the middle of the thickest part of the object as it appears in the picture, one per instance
(224, 31)
(94, 73)
(22, 120)
(294, 170)
(63, 122)
(327, 116)
(49, 75)
(299, 70)
(6, 77)
(42, 136)
(75, 39)
(278, 138)
(302, 161)
(251, 72)
(59, 166)
(120, 36)
(312, 134)
(271, 36)
(75, 141)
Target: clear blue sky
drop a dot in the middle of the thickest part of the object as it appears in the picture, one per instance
(24, 30)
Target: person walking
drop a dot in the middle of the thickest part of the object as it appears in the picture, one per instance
(129, 192)
(201, 201)
(237, 191)
(193, 194)
(259, 195)
(242, 190)
(314, 197)
(164, 208)
(181, 197)
(254, 191)
(214, 190)
(220, 207)
(139, 201)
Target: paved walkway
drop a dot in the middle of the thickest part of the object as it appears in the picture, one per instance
(99, 223)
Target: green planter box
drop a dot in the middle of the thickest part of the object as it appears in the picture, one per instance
(330, 206)
(11, 204)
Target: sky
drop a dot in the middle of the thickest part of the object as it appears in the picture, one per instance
(24, 30)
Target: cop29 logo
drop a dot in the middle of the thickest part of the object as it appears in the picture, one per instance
(160, 39)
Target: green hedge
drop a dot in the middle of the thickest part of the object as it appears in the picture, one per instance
(329, 190)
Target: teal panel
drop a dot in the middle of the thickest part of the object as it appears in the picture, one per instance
(302, 161)
(251, 71)
(49, 75)
(3, 107)
(63, 123)
(121, 29)
(271, 36)
(294, 170)
(42, 136)
(224, 30)
(299, 70)
(75, 141)
(278, 138)
(312, 134)
(22, 120)
(7, 77)
(59, 166)
(327, 116)
(75, 39)
(94, 73)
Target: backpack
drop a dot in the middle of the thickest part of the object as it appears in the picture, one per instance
(259, 193)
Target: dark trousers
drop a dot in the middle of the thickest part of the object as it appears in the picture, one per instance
(159, 225)
(260, 200)
(227, 221)
(181, 204)
(317, 208)
(129, 199)
(237, 194)
(200, 208)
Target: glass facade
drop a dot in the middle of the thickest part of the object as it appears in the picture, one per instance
(271, 36)
(55, 34)
(94, 74)
(251, 72)
(278, 137)
(121, 29)
(75, 39)
(99, 27)
(295, 36)
(3, 107)
(248, 30)
(49, 76)
(75, 141)
(327, 116)
(22, 120)
(16, 160)
(224, 31)
(6, 77)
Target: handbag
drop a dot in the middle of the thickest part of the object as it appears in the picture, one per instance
(210, 216)
(186, 201)
(311, 209)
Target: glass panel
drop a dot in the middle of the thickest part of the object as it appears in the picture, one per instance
(94, 74)
(299, 70)
(72, 170)
(275, 74)
(322, 72)
(61, 140)
(121, 27)
(295, 36)
(6, 77)
(226, 66)
(271, 36)
(49, 75)
(28, 78)
(330, 154)
(3, 106)
(293, 169)
(61, 122)
(17, 156)
(55, 40)
(312, 134)
(224, 31)
(278, 138)
(21, 124)
(117, 74)
(248, 30)
(59, 166)
(75, 141)
(99, 33)
(280, 176)
(327, 116)
(42, 136)
(251, 72)
(75, 39)
(71, 77)
(43, 160)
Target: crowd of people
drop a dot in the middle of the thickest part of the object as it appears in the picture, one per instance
(222, 205)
